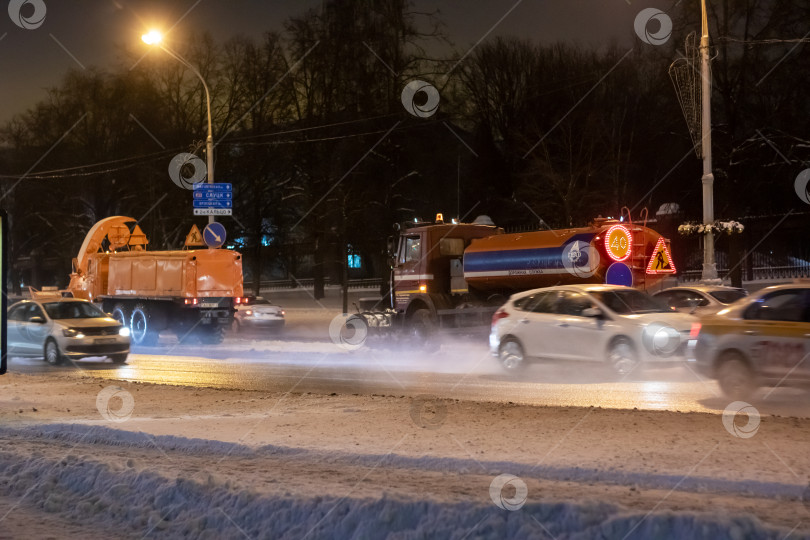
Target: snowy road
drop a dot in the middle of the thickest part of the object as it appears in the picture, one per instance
(459, 370)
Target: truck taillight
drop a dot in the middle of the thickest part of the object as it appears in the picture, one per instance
(498, 315)
(693, 333)
(190, 301)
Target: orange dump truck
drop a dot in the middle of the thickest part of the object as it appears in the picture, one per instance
(191, 292)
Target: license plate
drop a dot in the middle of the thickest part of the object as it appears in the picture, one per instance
(209, 304)
(105, 341)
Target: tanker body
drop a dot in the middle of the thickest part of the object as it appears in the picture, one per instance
(456, 275)
(191, 292)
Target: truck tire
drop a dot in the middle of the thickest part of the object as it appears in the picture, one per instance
(120, 314)
(141, 326)
(423, 329)
(52, 354)
(211, 336)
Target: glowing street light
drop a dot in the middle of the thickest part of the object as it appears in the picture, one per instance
(154, 37)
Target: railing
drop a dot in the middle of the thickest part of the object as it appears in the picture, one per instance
(309, 283)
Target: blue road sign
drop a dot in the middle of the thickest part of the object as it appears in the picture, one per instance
(204, 186)
(619, 274)
(204, 203)
(214, 235)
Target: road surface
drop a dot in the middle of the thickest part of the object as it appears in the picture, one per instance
(459, 369)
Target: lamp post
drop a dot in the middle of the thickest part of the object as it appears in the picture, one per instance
(709, 267)
(154, 37)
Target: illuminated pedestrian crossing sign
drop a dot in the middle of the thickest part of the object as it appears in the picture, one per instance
(661, 260)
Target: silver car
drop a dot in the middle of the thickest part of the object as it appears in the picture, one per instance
(65, 328)
(700, 299)
(616, 325)
(258, 312)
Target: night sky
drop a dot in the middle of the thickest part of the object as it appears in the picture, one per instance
(97, 32)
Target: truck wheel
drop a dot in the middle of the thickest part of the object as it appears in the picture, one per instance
(213, 336)
(511, 356)
(735, 377)
(423, 328)
(119, 313)
(622, 356)
(141, 327)
(52, 353)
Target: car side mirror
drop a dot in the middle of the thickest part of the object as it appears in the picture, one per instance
(37, 319)
(592, 312)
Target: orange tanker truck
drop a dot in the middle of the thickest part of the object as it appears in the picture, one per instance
(457, 274)
(191, 292)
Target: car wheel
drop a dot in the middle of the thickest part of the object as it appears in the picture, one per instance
(622, 356)
(735, 377)
(119, 358)
(141, 331)
(52, 353)
(511, 355)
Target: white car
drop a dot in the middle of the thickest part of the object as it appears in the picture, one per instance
(616, 325)
(65, 328)
(258, 312)
(700, 299)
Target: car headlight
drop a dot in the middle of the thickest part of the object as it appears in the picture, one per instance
(123, 331)
(72, 333)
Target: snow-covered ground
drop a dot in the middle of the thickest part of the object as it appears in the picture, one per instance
(88, 458)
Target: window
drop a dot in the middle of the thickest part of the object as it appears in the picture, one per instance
(572, 303)
(687, 299)
(353, 258)
(786, 305)
(33, 310)
(630, 301)
(17, 313)
(452, 247)
(72, 310)
(412, 249)
(544, 303)
(728, 297)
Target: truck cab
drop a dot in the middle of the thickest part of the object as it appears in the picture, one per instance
(428, 270)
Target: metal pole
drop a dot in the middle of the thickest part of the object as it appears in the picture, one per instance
(209, 141)
(709, 266)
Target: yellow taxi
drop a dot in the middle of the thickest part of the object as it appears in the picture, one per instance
(760, 340)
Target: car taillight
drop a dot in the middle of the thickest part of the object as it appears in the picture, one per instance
(693, 333)
(498, 315)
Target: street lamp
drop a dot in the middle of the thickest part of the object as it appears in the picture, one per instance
(153, 37)
(709, 273)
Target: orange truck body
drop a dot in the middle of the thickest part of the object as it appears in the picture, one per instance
(191, 291)
(160, 274)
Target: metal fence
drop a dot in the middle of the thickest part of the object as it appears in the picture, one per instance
(309, 283)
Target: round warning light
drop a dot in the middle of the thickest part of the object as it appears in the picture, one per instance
(618, 243)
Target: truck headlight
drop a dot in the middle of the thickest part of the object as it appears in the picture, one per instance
(123, 331)
(72, 333)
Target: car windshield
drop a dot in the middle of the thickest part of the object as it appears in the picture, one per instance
(728, 297)
(628, 302)
(260, 300)
(73, 310)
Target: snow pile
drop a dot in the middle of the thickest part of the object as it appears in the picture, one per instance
(153, 506)
(77, 433)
